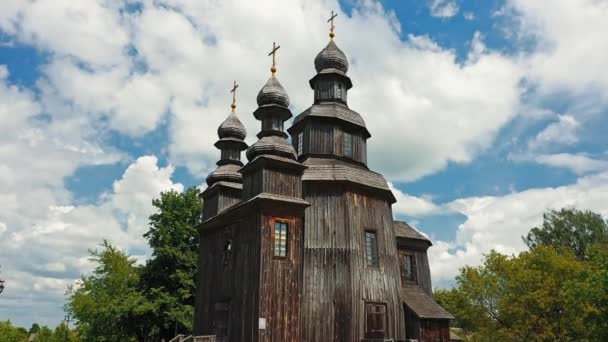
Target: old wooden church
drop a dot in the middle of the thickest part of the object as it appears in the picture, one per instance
(299, 243)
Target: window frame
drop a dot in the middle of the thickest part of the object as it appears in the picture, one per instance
(375, 334)
(372, 248)
(403, 254)
(300, 143)
(287, 224)
(347, 140)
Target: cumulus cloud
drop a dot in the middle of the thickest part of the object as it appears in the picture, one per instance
(499, 222)
(571, 48)
(443, 8)
(51, 252)
(577, 163)
(559, 133)
(411, 205)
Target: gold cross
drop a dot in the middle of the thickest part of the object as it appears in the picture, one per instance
(331, 28)
(233, 91)
(273, 69)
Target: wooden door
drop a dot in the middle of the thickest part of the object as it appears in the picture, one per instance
(221, 321)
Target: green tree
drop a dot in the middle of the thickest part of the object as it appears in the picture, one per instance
(45, 334)
(169, 276)
(10, 333)
(520, 298)
(591, 294)
(107, 304)
(34, 329)
(571, 228)
(63, 333)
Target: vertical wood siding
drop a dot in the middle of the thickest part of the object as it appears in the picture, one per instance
(337, 280)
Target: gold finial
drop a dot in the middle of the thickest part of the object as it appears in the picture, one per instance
(273, 69)
(233, 91)
(331, 28)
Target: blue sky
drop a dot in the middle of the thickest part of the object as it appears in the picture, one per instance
(483, 115)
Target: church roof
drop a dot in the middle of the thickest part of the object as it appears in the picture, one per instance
(404, 230)
(331, 57)
(330, 169)
(273, 93)
(232, 127)
(423, 305)
(332, 110)
(227, 172)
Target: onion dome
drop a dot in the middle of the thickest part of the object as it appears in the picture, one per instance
(273, 93)
(226, 173)
(331, 57)
(232, 127)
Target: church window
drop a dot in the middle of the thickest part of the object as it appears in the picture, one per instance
(375, 320)
(227, 252)
(348, 145)
(407, 263)
(371, 248)
(280, 239)
(300, 143)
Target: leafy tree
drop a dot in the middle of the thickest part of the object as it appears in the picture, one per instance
(169, 276)
(591, 294)
(45, 334)
(107, 304)
(10, 333)
(63, 333)
(571, 228)
(34, 329)
(522, 298)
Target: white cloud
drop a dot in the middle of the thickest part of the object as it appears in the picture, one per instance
(443, 8)
(411, 205)
(572, 48)
(499, 222)
(578, 163)
(468, 16)
(560, 133)
(50, 253)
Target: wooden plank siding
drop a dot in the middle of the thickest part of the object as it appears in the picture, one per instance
(236, 283)
(337, 280)
(327, 138)
(281, 283)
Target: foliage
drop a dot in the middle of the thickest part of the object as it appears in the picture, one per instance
(10, 333)
(124, 302)
(107, 303)
(523, 298)
(556, 291)
(571, 228)
(591, 294)
(35, 328)
(169, 277)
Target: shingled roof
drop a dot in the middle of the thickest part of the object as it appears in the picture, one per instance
(423, 305)
(404, 230)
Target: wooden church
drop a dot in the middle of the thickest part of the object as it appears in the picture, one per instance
(299, 243)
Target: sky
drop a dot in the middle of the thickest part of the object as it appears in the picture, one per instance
(483, 115)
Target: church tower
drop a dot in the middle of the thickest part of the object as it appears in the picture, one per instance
(299, 244)
(351, 274)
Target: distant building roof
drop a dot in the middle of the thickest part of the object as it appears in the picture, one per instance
(404, 230)
(423, 305)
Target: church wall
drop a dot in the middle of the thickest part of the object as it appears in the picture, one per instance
(277, 182)
(281, 282)
(424, 272)
(229, 280)
(337, 280)
(327, 138)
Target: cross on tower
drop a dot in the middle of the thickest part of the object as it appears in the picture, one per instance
(273, 69)
(331, 20)
(233, 91)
